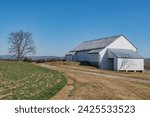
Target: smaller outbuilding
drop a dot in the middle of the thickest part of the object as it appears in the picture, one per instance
(124, 59)
(112, 53)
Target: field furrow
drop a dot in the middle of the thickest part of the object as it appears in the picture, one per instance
(20, 80)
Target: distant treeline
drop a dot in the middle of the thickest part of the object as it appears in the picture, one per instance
(38, 59)
(42, 59)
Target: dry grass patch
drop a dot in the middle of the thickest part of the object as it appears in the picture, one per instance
(88, 86)
(77, 66)
(91, 87)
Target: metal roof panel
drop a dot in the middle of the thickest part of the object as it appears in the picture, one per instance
(95, 51)
(126, 53)
(95, 44)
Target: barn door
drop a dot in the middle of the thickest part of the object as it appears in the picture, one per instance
(111, 63)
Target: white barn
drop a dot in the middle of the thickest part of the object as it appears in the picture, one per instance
(112, 53)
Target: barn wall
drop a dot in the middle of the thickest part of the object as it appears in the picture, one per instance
(74, 57)
(82, 56)
(122, 43)
(68, 57)
(130, 64)
(115, 63)
(104, 63)
(110, 54)
(93, 57)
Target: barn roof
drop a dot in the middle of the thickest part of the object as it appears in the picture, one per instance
(95, 51)
(125, 53)
(96, 44)
(71, 53)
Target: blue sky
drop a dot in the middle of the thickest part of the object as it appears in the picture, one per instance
(60, 25)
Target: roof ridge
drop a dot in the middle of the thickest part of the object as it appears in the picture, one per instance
(108, 37)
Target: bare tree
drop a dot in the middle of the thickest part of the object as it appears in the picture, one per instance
(21, 43)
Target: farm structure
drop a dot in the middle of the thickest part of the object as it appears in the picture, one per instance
(111, 53)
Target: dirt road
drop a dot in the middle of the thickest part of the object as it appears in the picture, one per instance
(84, 83)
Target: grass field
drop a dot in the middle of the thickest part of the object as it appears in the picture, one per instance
(20, 80)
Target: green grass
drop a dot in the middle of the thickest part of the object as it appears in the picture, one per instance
(23, 81)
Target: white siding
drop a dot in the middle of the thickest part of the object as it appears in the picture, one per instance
(69, 57)
(115, 64)
(104, 62)
(82, 56)
(130, 64)
(93, 57)
(120, 43)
